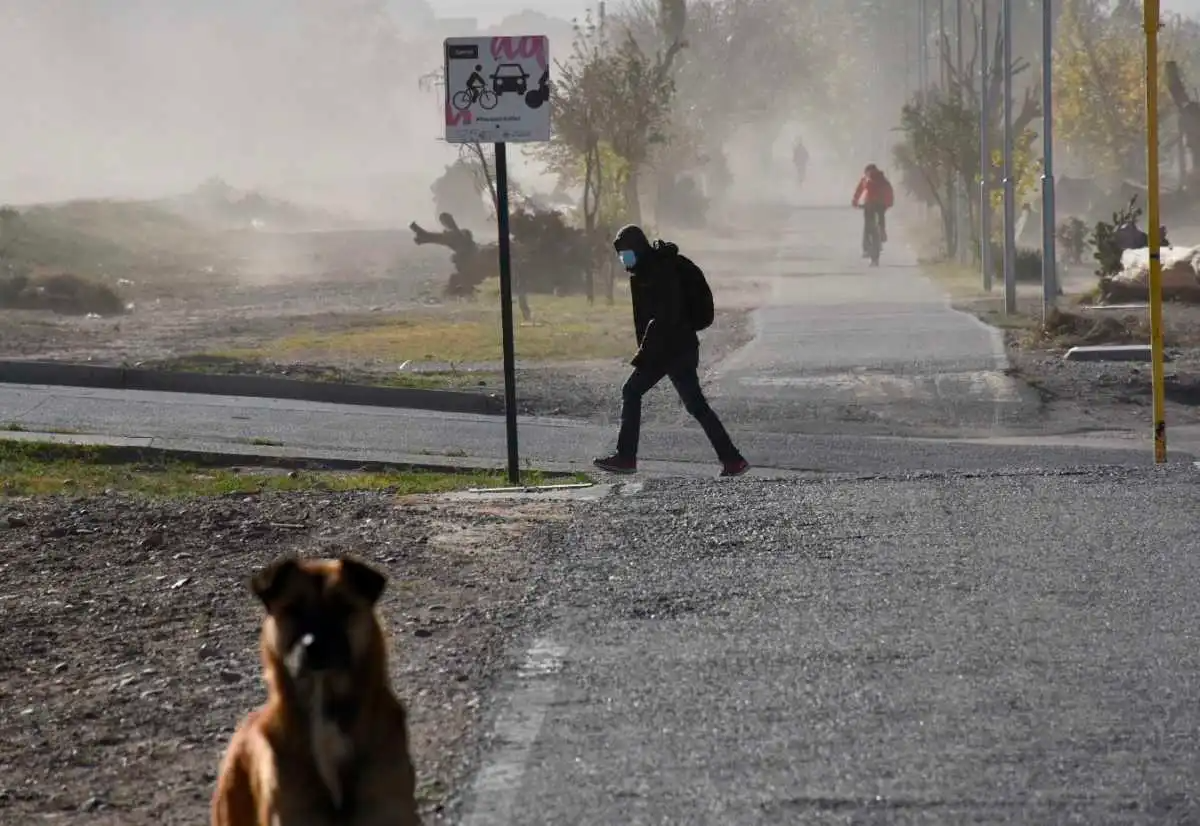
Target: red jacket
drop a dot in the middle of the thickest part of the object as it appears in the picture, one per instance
(874, 189)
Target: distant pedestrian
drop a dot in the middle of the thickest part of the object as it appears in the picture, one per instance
(671, 302)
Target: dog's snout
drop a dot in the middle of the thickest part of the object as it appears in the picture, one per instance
(321, 649)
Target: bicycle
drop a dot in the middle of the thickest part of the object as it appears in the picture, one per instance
(872, 243)
(483, 95)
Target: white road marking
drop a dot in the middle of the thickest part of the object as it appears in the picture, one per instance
(495, 788)
(984, 385)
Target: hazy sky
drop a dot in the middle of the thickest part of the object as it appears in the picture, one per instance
(490, 11)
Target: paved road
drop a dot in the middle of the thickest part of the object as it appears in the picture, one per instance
(952, 649)
(375, 434)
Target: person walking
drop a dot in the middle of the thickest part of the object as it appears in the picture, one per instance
(671, 302)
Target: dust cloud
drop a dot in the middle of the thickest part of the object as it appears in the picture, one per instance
(312, 101)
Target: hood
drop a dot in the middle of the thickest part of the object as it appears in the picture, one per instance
(631, 237)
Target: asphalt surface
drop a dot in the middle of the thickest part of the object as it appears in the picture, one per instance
(380, 434)
(842, 347)
(950, 649)
(997, 632)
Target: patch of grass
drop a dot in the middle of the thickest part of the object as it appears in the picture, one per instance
(13, 427)
(46, 468)
(264, 442)
(220, 364)
(563, 329)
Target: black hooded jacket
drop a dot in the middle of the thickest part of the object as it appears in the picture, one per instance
(659, 314)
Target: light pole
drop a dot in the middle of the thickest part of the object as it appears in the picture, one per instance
(963, 188)
(1049, 263)
(922, 50)
(1010, 207)
(943, 68)
(985, 152)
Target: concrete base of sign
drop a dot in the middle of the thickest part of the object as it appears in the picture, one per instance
(1110, 352)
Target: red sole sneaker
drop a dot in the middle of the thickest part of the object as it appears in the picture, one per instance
(614, 466)
(735, 468)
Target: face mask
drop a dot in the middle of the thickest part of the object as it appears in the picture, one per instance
(628, 258)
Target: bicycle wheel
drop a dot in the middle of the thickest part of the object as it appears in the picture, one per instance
(873, 245)
(461, 100)
(488, 99)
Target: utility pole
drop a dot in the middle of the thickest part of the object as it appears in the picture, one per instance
(1010, 206)
(962, 194)
(943, 68)
(985, 151)
(922, 50)
(1049, 253)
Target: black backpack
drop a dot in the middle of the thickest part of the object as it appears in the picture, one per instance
(697, 295)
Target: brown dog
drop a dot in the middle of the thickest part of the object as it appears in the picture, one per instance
(331, 744)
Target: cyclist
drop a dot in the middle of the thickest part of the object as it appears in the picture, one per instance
(476, 84)
(874, 192)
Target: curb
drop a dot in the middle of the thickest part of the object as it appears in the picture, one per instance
(266, 387)
(118, 449)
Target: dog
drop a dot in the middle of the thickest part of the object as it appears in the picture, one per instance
(330, 746)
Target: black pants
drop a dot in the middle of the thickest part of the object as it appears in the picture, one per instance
(683, 374)
(874, 212)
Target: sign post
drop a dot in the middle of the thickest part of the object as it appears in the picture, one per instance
(498, 92)
(1155, 239)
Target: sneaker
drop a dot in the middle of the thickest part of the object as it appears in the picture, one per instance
(616, 464)
(735, 468)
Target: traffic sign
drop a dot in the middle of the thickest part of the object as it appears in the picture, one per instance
(498, 89)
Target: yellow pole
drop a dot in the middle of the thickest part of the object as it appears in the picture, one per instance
(1156, 321)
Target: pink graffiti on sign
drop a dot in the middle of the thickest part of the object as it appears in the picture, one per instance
(457, 118)
(521, 48)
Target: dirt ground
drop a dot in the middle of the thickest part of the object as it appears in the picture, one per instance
(129, 646)
(1099, 395)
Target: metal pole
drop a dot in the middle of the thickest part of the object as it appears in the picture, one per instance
(922, 51)
(1155, 240)
(506, 315)
(958, 34)
(943, 69)
(962, 193)
(1049, 261)
(1010, 205)
(985, 151)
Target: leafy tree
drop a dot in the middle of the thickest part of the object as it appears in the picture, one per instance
(640, 92)
(941, 138)
(940, 146)
(1099, 77)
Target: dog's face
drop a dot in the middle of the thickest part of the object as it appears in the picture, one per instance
(320, 615)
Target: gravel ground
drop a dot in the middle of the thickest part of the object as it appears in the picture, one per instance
(1108, 395)
(129, 647)
(1012, 647)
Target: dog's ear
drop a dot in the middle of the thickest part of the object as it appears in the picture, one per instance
(271, 581)
(363, 580)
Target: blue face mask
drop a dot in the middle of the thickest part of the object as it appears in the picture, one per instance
(628, 258)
